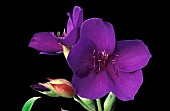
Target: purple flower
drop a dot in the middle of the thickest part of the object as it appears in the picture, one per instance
(48, 43)
(102, 65)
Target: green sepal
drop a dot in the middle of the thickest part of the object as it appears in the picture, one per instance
(109, 102)
(88, 102)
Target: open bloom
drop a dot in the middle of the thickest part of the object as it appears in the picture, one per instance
(48, 43)
(102, 65)
(55, 88)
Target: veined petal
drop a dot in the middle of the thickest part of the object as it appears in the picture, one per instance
(132, 55)
(81, 56)
(92, 86)
(101, 33)
(125, 84)
(77, 16)
(45, 42)
(70, 25)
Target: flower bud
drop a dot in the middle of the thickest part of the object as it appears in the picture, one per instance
(62, 87)
(55, 88)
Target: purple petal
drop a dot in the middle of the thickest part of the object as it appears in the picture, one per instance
(92, 86)
(53, 53)
(126, 84)
(46, 42)
(101, 33)
(132, 55)
(71, 38)
(39, 87)
(70, 25)
(77, 16)
(81, 56)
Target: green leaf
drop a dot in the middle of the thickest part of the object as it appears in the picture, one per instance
(109, 102)
(28, 105)
(88, 102)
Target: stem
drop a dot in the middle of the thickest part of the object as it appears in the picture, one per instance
(83, 104)
(99, 105)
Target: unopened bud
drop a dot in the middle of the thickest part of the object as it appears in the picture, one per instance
(55, 88)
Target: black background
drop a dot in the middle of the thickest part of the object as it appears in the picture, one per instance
(140, 20)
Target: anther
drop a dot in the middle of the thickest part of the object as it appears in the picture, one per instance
(64, 33)
(58, 34)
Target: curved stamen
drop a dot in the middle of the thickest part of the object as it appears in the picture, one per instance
(113, 62)
(94, 61)
(99, 64)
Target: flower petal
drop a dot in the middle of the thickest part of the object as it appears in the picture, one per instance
(92, 86)
(70, 25)
(126, 84)
(39, 87)
(77, 16)
(81, 56)
(71, 38)
(52, 53)
(101, 33)
(132, 55)
(46, 42)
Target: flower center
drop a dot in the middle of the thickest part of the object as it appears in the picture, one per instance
(100, 60)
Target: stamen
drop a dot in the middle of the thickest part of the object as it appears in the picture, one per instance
(94, 61)
(64, 33)
(99, 64)
(58, 34)
(115, 71)
(103, 52)
(94, 52)
(113, 61)
(100, 59)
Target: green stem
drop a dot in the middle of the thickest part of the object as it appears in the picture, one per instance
(99, 105)
(83, 104)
